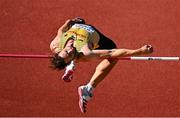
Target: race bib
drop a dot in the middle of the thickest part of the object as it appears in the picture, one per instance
(85, 27)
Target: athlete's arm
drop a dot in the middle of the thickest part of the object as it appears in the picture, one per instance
(65, 27)
(54, 46)
(115, 53)
(68, 24)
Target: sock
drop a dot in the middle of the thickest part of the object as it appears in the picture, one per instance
(71, 66)
(90, 88)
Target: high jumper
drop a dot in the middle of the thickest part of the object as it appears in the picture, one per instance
(77, 41)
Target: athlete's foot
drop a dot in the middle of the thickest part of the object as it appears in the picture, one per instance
(68, 75)
(84, 97)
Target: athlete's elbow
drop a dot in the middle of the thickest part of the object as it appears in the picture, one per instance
(53, 48)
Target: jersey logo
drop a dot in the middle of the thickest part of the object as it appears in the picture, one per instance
(86, 27)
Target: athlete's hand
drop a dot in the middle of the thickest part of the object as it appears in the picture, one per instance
(147, 49)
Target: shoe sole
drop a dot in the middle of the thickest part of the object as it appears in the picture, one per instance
(81, 105)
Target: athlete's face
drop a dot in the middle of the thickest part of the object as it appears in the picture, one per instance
(68, 51)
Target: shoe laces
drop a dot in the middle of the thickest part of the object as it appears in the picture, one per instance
(87, 95)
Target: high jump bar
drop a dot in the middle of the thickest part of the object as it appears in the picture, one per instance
(25, 56)
(120, 58)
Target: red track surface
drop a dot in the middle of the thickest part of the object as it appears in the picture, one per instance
(133, 88)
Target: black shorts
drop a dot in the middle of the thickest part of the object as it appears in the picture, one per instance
(105, 42)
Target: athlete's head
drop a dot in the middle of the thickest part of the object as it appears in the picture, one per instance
(58, 62)
(63, 58)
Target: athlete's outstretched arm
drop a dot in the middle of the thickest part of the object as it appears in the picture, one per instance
(115, 53)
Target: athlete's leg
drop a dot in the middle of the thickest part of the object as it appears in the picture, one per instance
(85, 92)
(101, 71)
(105, 66)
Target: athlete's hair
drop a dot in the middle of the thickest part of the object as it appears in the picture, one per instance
(78, 20)
(58, 62)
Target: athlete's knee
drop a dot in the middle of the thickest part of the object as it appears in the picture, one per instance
(106, 65)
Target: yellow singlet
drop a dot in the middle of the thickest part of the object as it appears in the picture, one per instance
(82, 34)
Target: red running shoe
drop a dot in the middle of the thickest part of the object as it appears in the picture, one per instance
(68, 75)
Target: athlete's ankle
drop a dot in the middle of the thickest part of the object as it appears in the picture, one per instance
(90, 88)
(71, 66)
